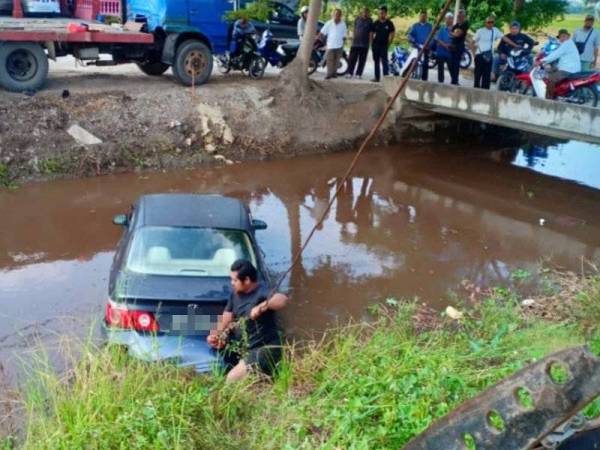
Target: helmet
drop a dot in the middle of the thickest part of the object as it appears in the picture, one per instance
(304, 9)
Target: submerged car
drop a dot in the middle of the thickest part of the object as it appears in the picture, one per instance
(169, 281)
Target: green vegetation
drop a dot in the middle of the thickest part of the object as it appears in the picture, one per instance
(257, 10)
(50, 166)
(362, 386)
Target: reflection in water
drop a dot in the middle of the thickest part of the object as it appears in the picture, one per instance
(403, 226)
(575, 161)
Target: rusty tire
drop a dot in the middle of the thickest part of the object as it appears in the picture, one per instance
(193, 63)
(23, 66)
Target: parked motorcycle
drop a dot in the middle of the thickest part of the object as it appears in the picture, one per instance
(522, 81)
(519, 61)
(465, 61)
(319, 56)
(401, 61)
(247, 59)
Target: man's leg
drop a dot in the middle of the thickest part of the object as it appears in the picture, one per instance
(425, 67)
(352, 59)
(455, 66)
(338, 58)
(440, 68)
(486, 75)
(331, 64)
(376, 58)
(553, 79)
(385, 62)
(362, 59)
(478, 71)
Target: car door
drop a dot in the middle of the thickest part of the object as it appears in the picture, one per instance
(207, 16)
(283, 22)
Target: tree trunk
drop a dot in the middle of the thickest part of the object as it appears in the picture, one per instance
(457, 8)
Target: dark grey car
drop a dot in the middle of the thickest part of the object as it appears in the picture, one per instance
(169, 280)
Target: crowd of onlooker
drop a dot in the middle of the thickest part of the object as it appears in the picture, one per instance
(489, 44)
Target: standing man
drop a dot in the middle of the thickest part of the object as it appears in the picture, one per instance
(302, 22)
(256, 342)
(587, 40)
(443, 42)
(483, 47)
(361, 39)
(382, 35)
(512, 40)
(568, 59)
(459, 35)
(336, 31)
(417, 36)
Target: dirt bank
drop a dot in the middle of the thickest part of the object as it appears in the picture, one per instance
(143, 122)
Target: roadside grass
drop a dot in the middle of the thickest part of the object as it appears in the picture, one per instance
(361, 386)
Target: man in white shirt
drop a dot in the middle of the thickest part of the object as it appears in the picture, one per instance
(483, 47)
(568, 60)
(588, 39)
(336, 31)
(302, 22)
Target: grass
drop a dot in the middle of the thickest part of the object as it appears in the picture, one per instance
(362, 386)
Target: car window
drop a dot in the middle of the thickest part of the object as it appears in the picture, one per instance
(282, 14)
(196, 252)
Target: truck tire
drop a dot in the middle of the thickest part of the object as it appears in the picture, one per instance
(193, 63)
(154, 68)
(23, 66)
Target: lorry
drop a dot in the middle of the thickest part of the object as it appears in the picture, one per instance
(157, 35)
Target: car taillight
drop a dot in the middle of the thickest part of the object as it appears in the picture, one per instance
(119, 316)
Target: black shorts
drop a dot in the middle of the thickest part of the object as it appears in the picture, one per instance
(263, 359)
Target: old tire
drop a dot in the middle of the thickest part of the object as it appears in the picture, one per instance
(193, 63)
(466, 59)
(257, 67)
(154, 68)
(23, 66)
(343, 65)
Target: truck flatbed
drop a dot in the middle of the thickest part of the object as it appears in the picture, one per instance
(55, 30)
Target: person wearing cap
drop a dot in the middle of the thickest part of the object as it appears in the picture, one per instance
(513, 40)
(382, 35)
(587, 40)
(483, 47)
(302, 21)
(361, 40)
(335, 31)
(568, 62)
(443, 40)
(417, 36)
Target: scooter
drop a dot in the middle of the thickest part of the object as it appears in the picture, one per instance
(519, 62)
(522, 81)
(465, 60)
(248, 59)
(320, 60)
(401, 61)
(277, 53)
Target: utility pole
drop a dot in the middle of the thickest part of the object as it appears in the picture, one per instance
(457, 8)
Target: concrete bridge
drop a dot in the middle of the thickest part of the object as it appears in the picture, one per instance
(526, 113)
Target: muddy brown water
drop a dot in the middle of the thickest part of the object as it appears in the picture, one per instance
(413, 222)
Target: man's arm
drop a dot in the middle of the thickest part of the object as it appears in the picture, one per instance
(275, 303)
(510, 42)
(555, 55)
(392, 34)
(213, 337)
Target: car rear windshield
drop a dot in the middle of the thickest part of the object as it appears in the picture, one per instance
(196, 252)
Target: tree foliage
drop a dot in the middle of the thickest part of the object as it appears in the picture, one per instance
(531, 13)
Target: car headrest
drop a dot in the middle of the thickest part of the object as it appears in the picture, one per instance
(158, 254)
(224, 257)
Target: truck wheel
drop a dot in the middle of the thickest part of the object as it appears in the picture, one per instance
(193, 63)
(23, 66)
(154, 68)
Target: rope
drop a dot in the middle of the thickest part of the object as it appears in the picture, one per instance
(364, 144)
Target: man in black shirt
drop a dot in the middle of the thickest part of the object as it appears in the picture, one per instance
(457, 44)
(382, 35)
(256, 342)
(361, 38)
(514, 39)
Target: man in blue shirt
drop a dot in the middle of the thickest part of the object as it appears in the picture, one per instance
(443, 42)
(417, 36)
(242, 29)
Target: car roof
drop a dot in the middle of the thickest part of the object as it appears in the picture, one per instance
(193, 210)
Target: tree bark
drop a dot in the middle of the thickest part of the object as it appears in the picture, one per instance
(310, 32)
(457, 8)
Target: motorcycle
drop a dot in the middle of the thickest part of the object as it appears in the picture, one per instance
(519, 61)
(319, 59)
(247, 60)
(465, 60)
(578, 88)
(277, 53)
(401, 61)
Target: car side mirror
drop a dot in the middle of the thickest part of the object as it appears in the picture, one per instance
(121, 220)
(259, 224)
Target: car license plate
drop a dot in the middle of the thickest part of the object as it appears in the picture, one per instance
(194, 323)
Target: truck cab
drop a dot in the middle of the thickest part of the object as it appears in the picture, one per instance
(187, 35)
